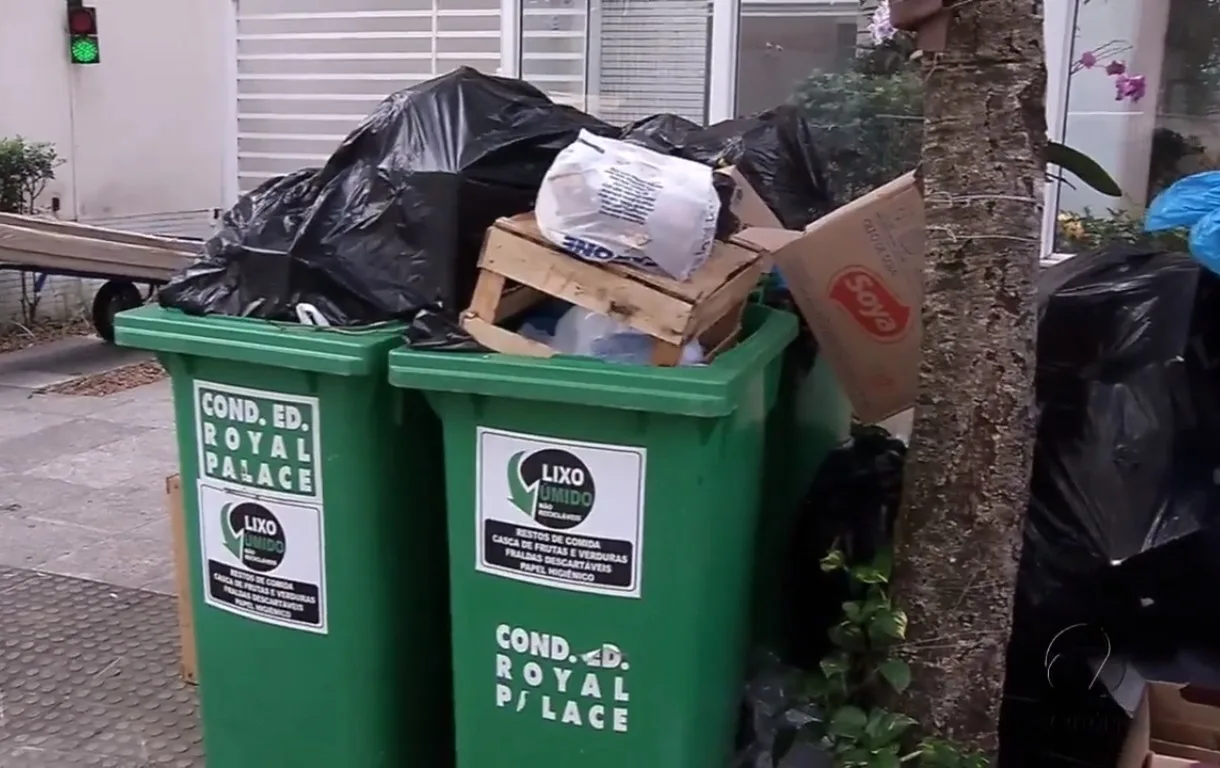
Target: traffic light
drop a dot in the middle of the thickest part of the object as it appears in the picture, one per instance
(82, 34)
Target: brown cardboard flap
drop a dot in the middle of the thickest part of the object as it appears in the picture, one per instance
(1185, 715)
(1186, 753)
(747, 205)
(1166, 761)
(856, 275)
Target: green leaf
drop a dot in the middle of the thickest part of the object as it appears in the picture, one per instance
(884, 562)
(848, 721)
(896, 673)
(894, 728)
(887, 758)
(867, 574)
(835, 665)
(888, 626)
(854, 611)
(847, 636)
(1084, 167)
(817, 687)
(834, 561)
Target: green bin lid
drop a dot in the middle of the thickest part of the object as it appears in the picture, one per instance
(704, 391)
(332, 351)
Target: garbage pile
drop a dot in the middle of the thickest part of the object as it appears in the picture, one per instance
(1122, 540)
(391, 228)
(483, 216)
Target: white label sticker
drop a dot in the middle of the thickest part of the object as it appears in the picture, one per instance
(261, 516)
(540, 674)
(263, 558)
(560, 513)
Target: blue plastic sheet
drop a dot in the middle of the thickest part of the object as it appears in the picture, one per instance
(1185, 202)
(1205, 241)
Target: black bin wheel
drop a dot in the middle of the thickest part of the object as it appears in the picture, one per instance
(112, 298)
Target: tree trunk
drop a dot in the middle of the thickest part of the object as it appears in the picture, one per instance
(967, 484)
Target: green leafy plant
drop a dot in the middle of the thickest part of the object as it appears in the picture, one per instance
(1085, 231)
(870, 131)
(869, 127)
(25, 169)
(860, 673)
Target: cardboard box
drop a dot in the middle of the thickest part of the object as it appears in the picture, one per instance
(856, 274)
(1175, 726)
(746, 205)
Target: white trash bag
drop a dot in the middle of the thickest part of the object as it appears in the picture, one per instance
(609, 200)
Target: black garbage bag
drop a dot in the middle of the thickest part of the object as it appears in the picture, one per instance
(774, 150)
(393, 223)
(1124, 503)
(851, 504)
(777, 723)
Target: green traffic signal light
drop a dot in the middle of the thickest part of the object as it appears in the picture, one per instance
(85, 51)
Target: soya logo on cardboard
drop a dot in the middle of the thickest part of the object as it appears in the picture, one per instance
(253, 535)
(552, 486)
(870, 302)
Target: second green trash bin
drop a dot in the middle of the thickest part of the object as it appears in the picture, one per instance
(319, 598)
(601, 531)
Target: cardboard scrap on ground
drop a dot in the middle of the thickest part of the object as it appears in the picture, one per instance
(1175, 726)
(856, 275)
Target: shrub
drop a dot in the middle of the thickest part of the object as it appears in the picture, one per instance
(870, 127)
(25, 169)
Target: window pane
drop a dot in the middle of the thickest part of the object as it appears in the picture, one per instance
(864, 99)
(1144, 102)
(619, 59)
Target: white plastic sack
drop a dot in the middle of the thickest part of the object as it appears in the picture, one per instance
(608, 200)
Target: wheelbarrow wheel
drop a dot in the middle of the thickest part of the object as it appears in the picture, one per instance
(112, 298)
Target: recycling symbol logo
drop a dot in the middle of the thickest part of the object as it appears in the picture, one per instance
(253, 535)
(551, 486)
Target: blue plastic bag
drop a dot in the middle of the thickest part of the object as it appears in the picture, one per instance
(1185, 202)
(1205, 241)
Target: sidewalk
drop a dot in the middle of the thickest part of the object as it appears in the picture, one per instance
(88, 626)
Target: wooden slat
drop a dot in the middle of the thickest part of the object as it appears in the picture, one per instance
(186, 620)
(76, 229)
(54, 250)
(725, 260)
(517, 299)
(731, 294)
(43, 262)
(501, 340)
(586, 285)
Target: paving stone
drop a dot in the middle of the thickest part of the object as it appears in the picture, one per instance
(27, 542)
(151, 453)
(116, 509)
(61, 441)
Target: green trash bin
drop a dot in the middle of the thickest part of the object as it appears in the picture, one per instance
(601, 531)
(812, 415)
(321, 613)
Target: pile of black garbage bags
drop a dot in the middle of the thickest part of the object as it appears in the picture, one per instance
(1122, 539)
(391, 226)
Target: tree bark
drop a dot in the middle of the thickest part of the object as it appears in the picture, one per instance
(967, 478)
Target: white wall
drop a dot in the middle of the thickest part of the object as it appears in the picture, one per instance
(143, 132)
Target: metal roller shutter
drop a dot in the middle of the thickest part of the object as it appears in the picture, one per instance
(653, 58)
(555, 48)
(309, 70)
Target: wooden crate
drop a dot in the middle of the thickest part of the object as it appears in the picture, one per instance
(519, 268)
